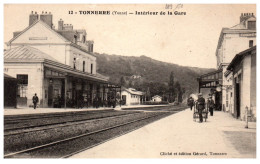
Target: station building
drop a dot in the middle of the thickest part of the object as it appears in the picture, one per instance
(131, 96)
(242, 69)
(157, 98)
(53, 63)
(231, 41)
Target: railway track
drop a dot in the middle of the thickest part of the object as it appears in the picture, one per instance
(50, 121)
(66, 147)
(10, 119)
(68, 123)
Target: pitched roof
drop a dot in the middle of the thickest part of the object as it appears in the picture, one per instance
(240, 56)
(29, 54)
(27, 28)
(157, 96)
(66, 36)
(133, 91)
(26, 53)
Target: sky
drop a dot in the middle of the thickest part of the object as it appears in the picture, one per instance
(187, 40)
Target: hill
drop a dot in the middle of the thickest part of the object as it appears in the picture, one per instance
(143, 72)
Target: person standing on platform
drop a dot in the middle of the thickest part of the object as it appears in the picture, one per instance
(59, 101)
(201, 106)
(211, 105)
(86, 101)
(35, 100)
(190, 102)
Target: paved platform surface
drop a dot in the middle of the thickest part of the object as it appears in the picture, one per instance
(178, 136)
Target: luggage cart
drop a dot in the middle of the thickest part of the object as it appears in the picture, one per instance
(196, 112)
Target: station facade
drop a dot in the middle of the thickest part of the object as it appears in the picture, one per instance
(53, 63)
(242, 70)
(232, 41)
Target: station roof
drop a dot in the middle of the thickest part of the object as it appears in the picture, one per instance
(27, 54)
(8, 77)
(239, 57)
(211, 79)
(133, 91)
(157, 96)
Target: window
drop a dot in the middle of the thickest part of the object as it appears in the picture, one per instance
(22, 83)
(227, 99)
(75, 38)
(74, 63)
(83, 66)
(91, 68)
(84, 39)
(90, 47)
(22, 79)
(251, 25)
(251, 43)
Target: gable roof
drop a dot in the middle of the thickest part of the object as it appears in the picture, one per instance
(157, 96)
(67, 36)
(133, 91)
(26, 53)
(29, 27)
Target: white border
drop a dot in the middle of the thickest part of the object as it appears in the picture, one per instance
(124, 161)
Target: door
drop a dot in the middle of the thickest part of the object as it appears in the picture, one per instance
(218, 101)
(50, 96)
(123, 99)
(238, 100)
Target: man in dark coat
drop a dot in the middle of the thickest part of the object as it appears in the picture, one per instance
(35, 100)
(201, 106)
(190, 102)
(211, 105)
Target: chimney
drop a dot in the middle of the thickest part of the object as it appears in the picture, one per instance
(33, 18)
(245, 16)
(90, 45)
(47, 18)
(60, 24)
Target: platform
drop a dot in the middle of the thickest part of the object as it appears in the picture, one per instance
(178, 136)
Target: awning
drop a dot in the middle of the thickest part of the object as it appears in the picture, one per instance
(210, 80)
(67, 70)
(8, 77)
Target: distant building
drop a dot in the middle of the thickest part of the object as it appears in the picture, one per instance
(243, 71)
(157, 98)
(53, 62)
(231, 42)
(131, 96)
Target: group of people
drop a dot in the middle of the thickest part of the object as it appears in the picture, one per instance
(80, 103)
(97, 102)
(201, 104)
